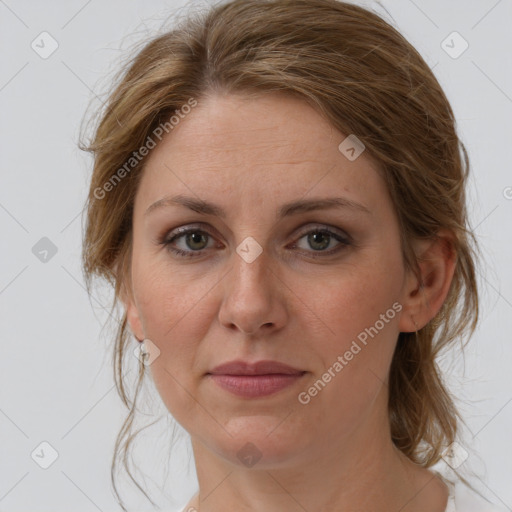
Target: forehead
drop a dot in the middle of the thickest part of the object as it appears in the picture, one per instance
(268, 126)
(266, 146)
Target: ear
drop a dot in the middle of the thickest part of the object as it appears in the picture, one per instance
(424, 297)
(132, 313)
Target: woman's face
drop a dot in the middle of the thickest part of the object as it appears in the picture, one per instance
(296, 260)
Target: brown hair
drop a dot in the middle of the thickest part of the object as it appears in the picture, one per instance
(363, 75)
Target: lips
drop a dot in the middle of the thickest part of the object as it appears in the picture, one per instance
(254, 380)
(258, 368)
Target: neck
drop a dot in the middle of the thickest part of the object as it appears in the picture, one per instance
(363, 471)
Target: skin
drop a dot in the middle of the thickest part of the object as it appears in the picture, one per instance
(250, 156)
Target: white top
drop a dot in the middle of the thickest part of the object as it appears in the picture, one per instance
(461, 499)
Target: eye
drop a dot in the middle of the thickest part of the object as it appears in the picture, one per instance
(190, 242)
(193, 242)
(320, 239)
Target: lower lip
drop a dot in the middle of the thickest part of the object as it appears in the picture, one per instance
(253, 386)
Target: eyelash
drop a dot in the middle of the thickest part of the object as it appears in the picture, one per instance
(181, 232)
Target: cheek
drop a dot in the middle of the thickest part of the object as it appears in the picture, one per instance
(169, 298)
(166, 306)
(354, 300)
(168, 311)
(176, 311)
(359, 311)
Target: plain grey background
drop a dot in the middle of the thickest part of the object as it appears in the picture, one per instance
(56, 378)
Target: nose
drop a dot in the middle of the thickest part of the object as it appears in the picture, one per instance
(254, 297)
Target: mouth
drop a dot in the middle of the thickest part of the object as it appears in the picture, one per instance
(253, 380)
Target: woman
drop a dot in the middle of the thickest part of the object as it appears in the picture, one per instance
(278, 198)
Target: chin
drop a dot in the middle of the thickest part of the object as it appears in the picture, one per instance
(260, 442)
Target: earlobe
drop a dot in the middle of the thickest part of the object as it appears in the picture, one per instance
(134, 321)
(426, 293)
(132, 313)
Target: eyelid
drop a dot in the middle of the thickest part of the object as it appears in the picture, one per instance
(181, 231)
(316, 226)
(170, 235)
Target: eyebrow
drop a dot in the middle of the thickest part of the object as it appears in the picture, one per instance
(292, 208)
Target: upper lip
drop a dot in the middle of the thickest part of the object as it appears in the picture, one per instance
(258, 368)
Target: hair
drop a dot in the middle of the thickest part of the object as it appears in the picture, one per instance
(366, 79)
